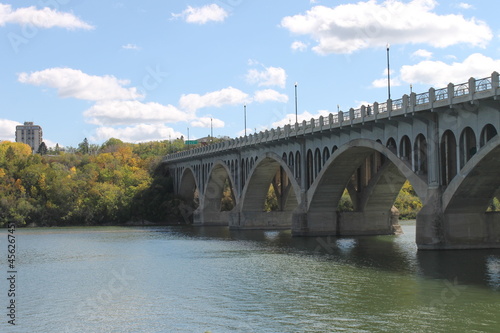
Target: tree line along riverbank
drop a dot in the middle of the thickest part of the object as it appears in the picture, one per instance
(115, 183)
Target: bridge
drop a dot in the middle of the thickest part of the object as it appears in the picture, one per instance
(444, 142)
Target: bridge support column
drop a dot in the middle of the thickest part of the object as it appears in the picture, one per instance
(346, 223)
(209, 218)
(260, 220)
(437, 230)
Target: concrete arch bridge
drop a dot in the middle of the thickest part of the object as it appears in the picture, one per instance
(445, 142)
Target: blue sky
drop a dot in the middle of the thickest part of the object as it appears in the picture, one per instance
(149, 70)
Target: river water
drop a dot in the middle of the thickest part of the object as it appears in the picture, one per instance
(185, 279)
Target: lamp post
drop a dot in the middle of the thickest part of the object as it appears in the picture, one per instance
(296, 116)
(211, 131)
(388, 73)
(245, 116)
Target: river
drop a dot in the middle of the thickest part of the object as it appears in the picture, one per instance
(186, 279)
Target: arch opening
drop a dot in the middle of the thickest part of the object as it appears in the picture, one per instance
(468, 147)
(448, 157)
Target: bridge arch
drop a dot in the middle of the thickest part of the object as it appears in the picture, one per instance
(260, 178)
(327, 189)
(214, 188)
(189, 187)
(473, 188)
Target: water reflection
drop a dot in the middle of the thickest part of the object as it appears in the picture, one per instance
(390, 253)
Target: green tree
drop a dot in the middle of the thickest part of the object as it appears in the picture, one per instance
(83, 147)
(42, 149)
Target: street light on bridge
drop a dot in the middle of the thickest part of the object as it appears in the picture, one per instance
(296, 116)
(245, 116)
(388, 73)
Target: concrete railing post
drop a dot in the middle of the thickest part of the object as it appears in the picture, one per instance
(432, 98)
(406, 103)
(451, 93)
(495, 81)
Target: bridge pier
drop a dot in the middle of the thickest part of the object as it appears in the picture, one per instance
(438, 230)
(457, 231)
(346, 223)
(260, 220)
(211, 218)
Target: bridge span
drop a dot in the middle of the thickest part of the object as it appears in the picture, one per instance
(445, 142)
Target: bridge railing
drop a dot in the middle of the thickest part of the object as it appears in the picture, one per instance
(433, 97)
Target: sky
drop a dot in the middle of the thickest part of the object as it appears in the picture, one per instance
(157, 70)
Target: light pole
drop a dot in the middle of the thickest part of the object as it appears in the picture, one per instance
(211, 131)
(388, 73)
(296, 116)
(245, 116)
(188, 133)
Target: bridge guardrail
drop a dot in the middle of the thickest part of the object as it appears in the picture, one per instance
(342, 118)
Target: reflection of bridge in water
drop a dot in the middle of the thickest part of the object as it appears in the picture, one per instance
(444, 142)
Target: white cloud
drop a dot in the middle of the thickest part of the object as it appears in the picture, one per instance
(131, 47)
(464, 5)
(421, 53)
(226, 96)
(203, 15)
(207, 122)
(8, 129)
(139, 133)
(299, 46)
(132, 112)
(306, 115)
(382, 82)
(270, 76)
(74, 83)
(351, 27)
(266, 95)
(439, 74)
(41, 18)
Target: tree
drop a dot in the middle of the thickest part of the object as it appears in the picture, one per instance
(83, 147)
(42, 149)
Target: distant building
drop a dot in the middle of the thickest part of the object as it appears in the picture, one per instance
(30, 134)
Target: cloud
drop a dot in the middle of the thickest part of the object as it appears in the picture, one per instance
(299, 46)
(226, 96)
(270, 76)
(351, 27)
(382, 82)
(203, 15)
(8, 129)
(421, 53)
(132, 112)
(464, 5)
(131, 47)
(74, 83)
(266, 95)
(306, 115)
(439, 74)
(139, 133)
(41, 18)
(207, 122)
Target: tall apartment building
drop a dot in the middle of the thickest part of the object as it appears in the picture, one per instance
(30, 134)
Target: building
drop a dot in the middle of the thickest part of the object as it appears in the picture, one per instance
(30, 134)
